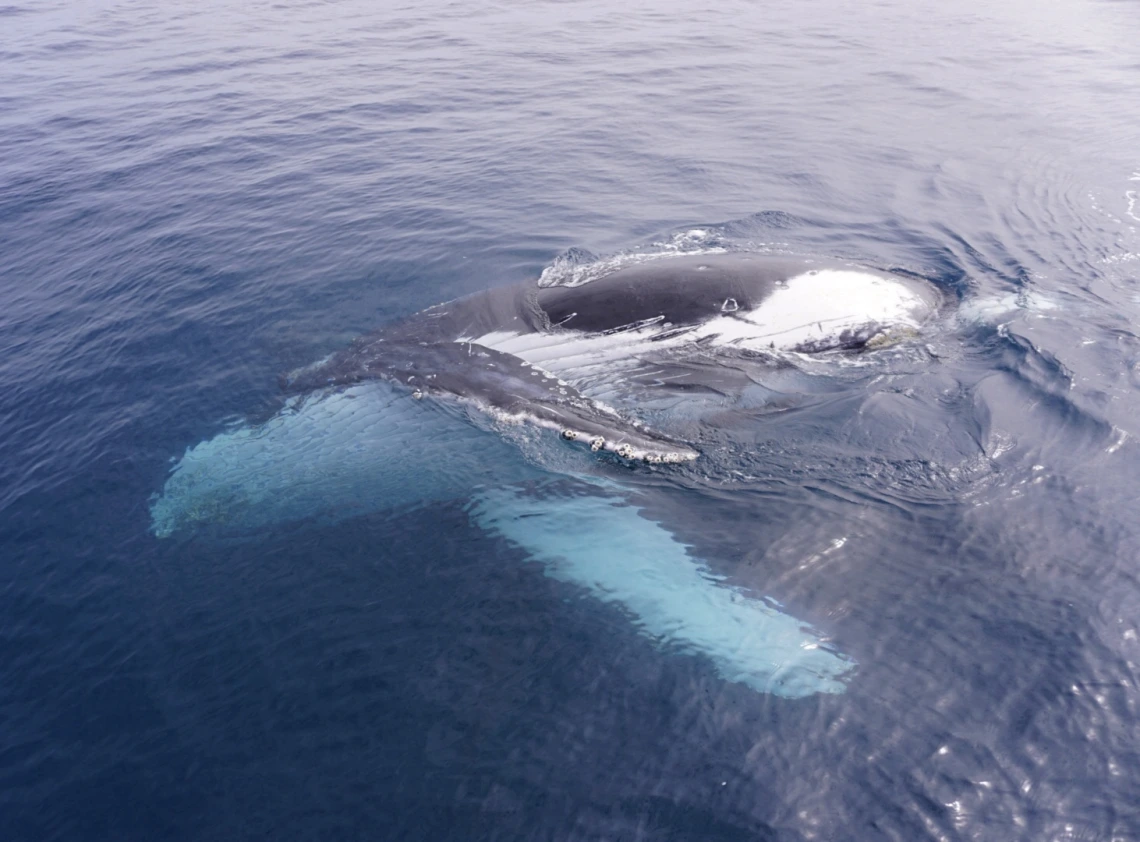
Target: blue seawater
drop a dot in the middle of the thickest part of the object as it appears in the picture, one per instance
(195, 198)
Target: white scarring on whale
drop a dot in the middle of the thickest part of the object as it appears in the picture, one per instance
(359, 435)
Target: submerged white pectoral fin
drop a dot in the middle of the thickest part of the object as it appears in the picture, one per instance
(373, 447)
(332, 455)
(603, 545)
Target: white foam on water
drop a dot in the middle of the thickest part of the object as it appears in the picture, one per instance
(695, 242)
(990, 309)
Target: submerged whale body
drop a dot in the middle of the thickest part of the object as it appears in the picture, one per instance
(415, 413)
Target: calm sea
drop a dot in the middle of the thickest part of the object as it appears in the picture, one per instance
(197, 197)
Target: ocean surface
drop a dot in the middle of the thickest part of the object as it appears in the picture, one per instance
(196, 198)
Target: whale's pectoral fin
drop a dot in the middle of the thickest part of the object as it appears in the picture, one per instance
(503, 385)
(331, 455)
(515, 391)
(365, 444)
(602, 544)
(583, 420)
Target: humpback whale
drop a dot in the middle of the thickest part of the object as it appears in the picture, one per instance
(431, 408)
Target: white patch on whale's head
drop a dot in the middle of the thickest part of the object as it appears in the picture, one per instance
(812, 310)
(820, 306)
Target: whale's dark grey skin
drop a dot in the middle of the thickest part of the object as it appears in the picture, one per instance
(466, 348)
(683, 291)
(395, 421)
